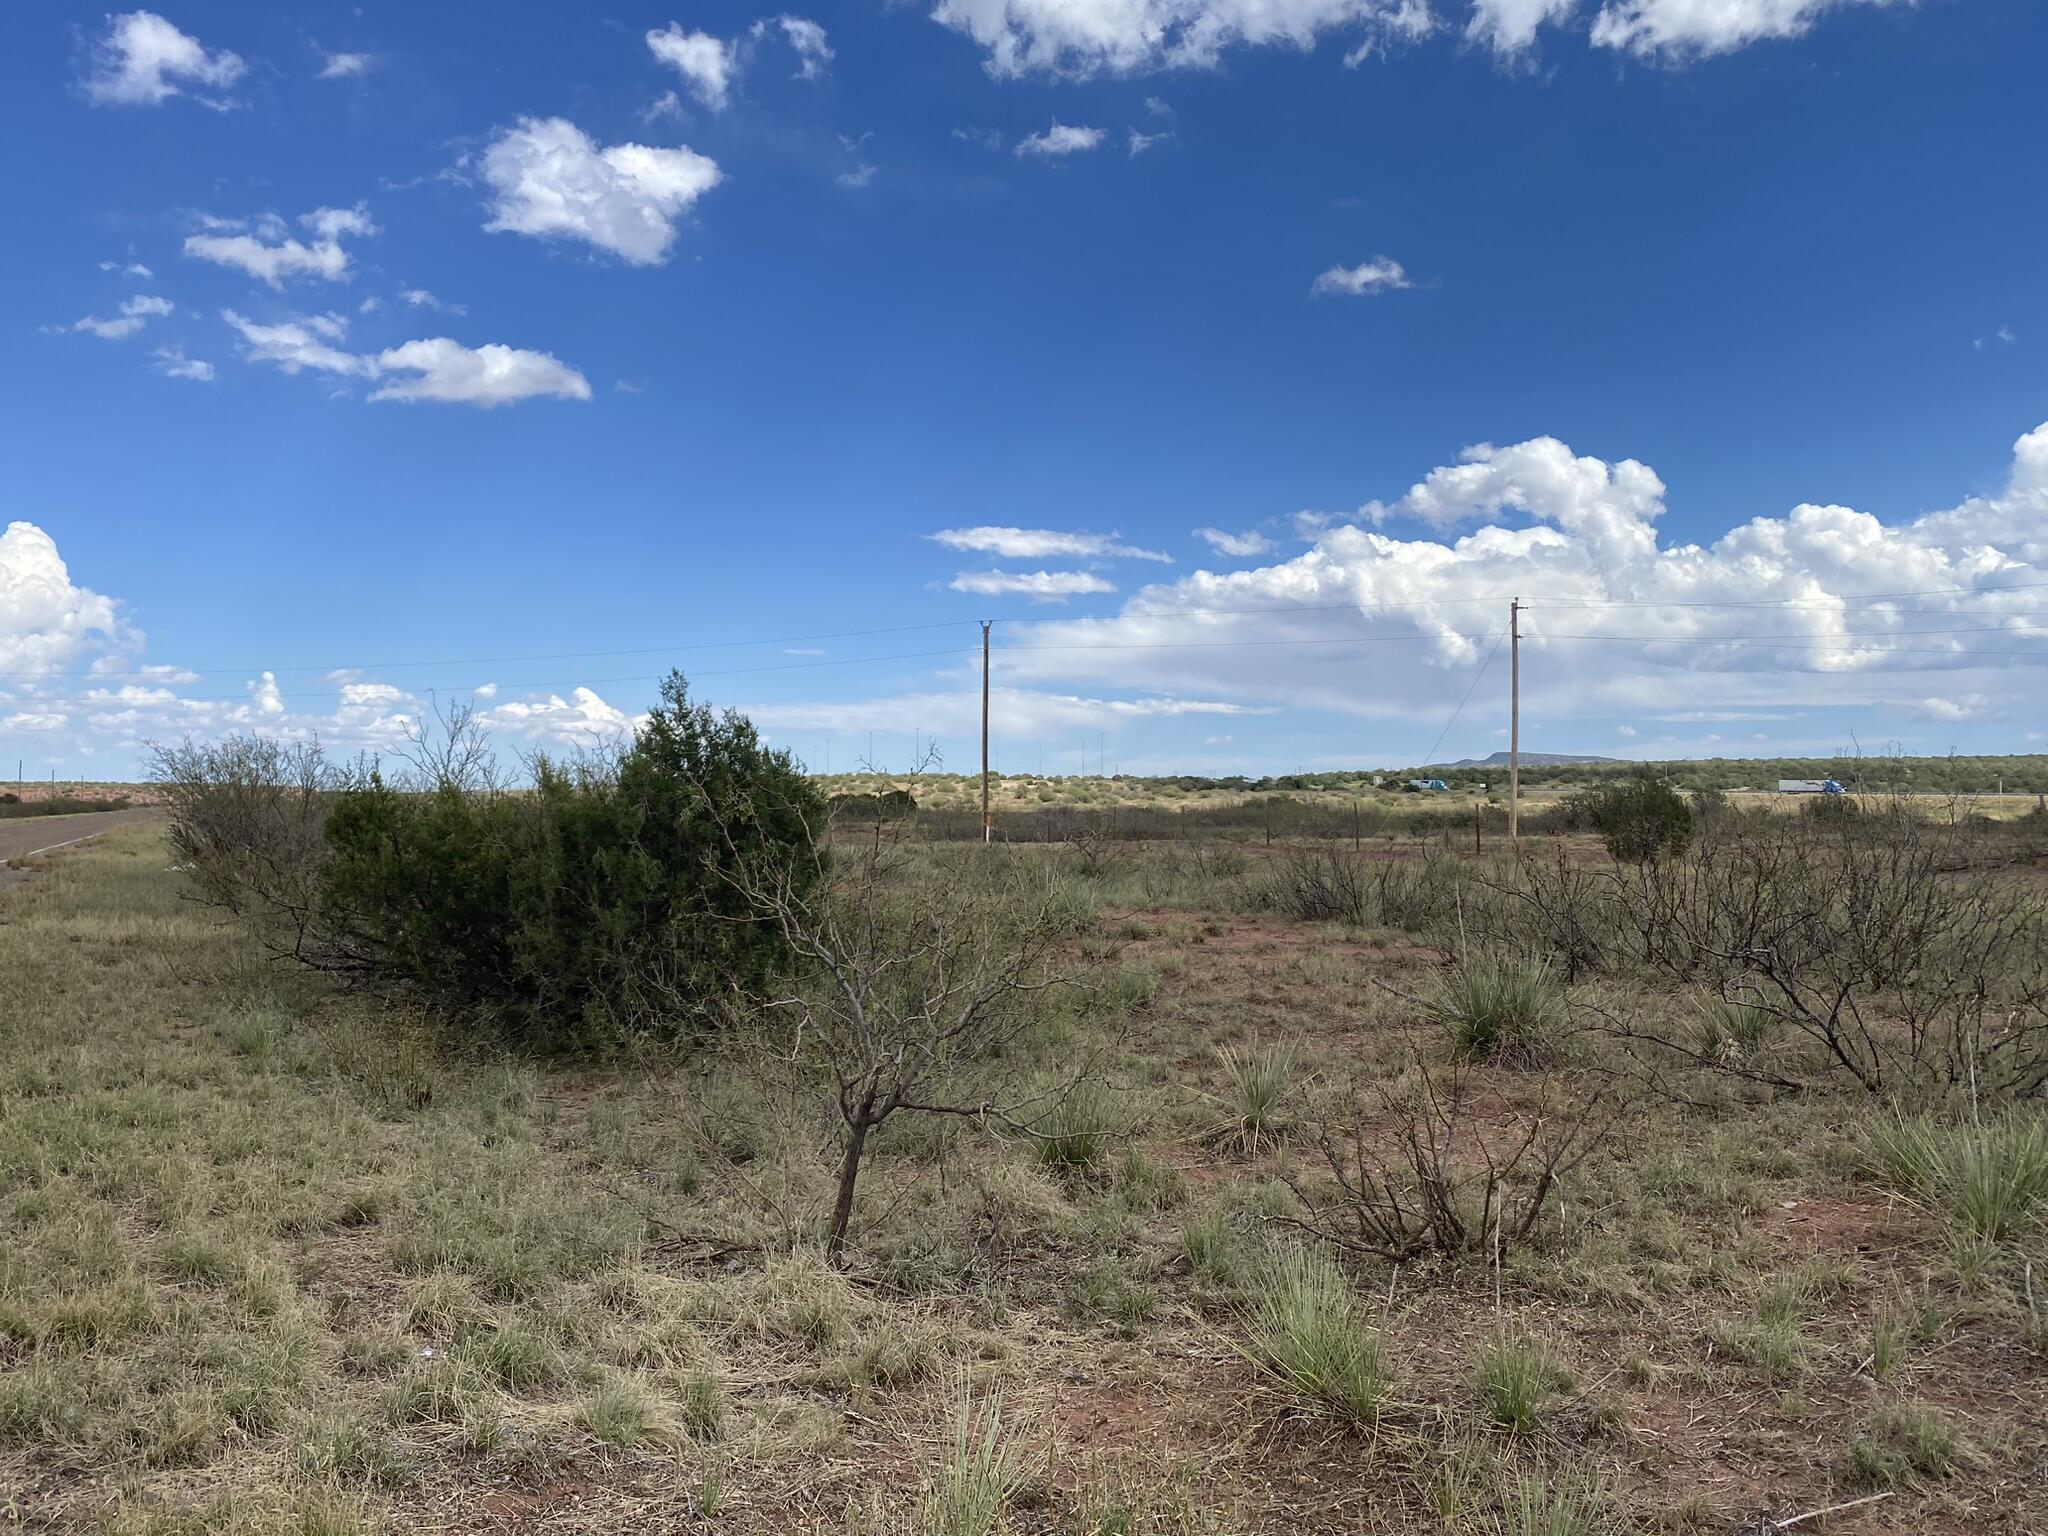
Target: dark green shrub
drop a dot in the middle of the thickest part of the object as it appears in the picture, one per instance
(1640, 818)
(608, 899)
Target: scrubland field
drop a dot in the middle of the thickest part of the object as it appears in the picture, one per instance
(1320, 1191)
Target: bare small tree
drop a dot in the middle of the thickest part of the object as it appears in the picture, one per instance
(911, 985)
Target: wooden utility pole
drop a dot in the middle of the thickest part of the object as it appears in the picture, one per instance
(987, 827)
(1514, 722)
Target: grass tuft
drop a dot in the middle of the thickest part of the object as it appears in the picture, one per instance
(1308, 1331)
(1077, 1128)
(1516, 1377)
(1989, 1180)
(982, 1473)
(1259, 1080)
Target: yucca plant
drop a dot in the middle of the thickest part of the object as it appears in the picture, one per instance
(1990, 1179)
(1076, 1129)
(983, 1470)
(1502, 1010)
(1259, 1080)
(1306, 1329)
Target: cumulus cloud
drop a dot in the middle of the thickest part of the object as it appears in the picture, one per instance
(1039, 586)
(173, 363)
(47, 621)
(1678, 30)
(706, 63)
(141, 60)
(1782, 613)
(1060, 139)
(347, 66)
(583, 717)
(1087, 37)
(1510, 26)
(444, 370)
(1043, 544)
(421, 298)
(304, 341)
(435, 368)
(551, 180)
(269, 253)
(807, 38)
(135, 314)
(1237, 545)
(1380, 275)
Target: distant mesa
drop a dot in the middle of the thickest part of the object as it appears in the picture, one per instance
(1540, 759)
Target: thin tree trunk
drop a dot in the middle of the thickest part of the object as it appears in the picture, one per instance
(842, 1207)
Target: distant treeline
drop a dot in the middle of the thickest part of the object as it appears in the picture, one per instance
(2021, 774)
(13, 807)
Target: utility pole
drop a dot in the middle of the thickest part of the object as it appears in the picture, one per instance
(1515, 722)
(987, 834)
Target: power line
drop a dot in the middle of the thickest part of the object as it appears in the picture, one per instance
(1440, 735)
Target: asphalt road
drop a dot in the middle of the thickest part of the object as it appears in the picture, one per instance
(40, 834)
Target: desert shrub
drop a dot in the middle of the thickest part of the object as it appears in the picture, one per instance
(1639, 818)
(1904, 1443)
(1306, 1329)
(1502, 1009)
(603, 901)
(1990, 1179)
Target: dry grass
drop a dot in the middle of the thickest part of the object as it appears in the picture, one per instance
(272, 1261)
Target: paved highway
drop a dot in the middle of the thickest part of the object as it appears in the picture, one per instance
(39, 834)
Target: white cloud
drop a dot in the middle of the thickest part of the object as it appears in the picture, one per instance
(1966, 708)
(1086, 37)
(1627, 732)
(813, 51)
(1022, 712)
(298, 344)
(667, 104)
(173, 362)
(490, 375)
(990, 139)
(135, 314)
(1380, 275)
(706, 63)
(1060, 139)
(127, 269)
(345, 66)
(859, 176)
(1039, 586)
(1044, 543)
(551, 180)
(1237, 545)
(47, 622)
(1138, 142)
(140, 56)
(1366, 622)
(1510, 26)
(2005, 332)
(581, 718)
(420, 298)
(270, 254)
(1678, 30)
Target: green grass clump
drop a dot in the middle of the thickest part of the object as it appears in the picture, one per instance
(983, 1470)
(1989, 1179)
(1904, 1443)
(618, 1413)
(1259, 1080)
(1307, 1330)
(1503, 1010)
(1540, 1503)
(1728, 1031)
(1077, 1128)
(1516, 1377)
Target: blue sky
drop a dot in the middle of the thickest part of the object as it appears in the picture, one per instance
(396, 354)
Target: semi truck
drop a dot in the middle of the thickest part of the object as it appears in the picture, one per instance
(1811, 787)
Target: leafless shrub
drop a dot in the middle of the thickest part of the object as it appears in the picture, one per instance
(1440, 1180)
(247, 822)
(1319, 884)
(911, 989)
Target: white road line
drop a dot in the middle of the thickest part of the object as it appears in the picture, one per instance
(53, 847)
